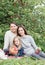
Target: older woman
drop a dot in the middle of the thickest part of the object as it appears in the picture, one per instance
(28, 43)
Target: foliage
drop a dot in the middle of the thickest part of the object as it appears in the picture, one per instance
(30, 13)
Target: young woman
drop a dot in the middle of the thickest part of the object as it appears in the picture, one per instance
(8, 38)
(16, 48)
(28, 43)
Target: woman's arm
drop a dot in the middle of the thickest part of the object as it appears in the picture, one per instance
(33, 43)
(6, 41)
(37, 49)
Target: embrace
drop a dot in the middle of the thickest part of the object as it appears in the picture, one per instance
(18, 43)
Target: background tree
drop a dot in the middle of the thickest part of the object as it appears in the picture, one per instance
(30, 13)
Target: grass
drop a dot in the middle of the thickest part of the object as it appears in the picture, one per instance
(22, 61)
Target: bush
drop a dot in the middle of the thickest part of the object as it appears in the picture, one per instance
(30, 13)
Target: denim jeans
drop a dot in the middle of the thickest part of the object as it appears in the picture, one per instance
(41, 55)
(21, 52)
(6, 51)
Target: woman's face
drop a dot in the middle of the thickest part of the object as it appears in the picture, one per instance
(13, 28)
(17, 42)
(21, 31)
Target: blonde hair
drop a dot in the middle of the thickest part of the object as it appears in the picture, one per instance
(19, 41)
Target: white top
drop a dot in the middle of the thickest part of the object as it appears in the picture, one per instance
(8, 39)
(28, 44)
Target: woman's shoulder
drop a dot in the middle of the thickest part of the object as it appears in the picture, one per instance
(8, 32)
(28, 36)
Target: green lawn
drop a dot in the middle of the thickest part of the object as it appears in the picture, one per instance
(22, 61)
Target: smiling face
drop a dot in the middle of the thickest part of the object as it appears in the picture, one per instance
(13, 27)
(21, 31)
(16, 41)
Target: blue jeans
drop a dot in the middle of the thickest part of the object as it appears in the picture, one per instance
(6, 51)
(41, 55)
(21, 52)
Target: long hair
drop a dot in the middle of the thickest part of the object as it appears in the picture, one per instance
(18, 39)
(23, 29)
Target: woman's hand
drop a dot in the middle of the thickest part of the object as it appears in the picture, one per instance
(37, 51)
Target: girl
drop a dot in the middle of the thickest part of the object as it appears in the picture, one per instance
(16, 48)
(28, 43)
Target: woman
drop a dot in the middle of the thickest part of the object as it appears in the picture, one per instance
(16, 48)
(28, 43)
